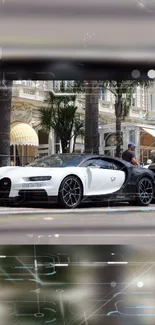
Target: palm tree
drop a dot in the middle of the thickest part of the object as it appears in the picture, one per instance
(5, 112)
(60, 115)
(78, 130)
(91, 90)
(91, 117)
(123, 92)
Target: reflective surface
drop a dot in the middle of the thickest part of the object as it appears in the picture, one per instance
(107, 29)
(76, 285)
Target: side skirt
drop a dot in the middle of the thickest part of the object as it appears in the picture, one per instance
(107, 198)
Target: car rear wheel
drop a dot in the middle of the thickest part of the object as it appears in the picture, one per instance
(145, 192)
(70, 192)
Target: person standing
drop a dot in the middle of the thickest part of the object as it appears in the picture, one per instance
(129, 154)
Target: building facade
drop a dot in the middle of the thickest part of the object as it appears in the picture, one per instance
(29, 95)
(142, 134)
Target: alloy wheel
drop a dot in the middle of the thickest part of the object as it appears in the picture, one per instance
(71, 192)
(145, 191)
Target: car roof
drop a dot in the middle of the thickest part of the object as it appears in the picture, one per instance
(84, 157)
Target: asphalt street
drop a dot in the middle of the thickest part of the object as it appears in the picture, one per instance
(118, 225)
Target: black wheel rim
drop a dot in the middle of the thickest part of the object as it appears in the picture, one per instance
(71, 192)
(145, 191)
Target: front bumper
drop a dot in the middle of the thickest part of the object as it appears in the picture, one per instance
(33, 195)
(39, 195)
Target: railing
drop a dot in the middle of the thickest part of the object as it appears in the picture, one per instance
(38, 94)
(33, 93)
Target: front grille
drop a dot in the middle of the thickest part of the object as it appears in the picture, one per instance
(33, 195)
(5, 187)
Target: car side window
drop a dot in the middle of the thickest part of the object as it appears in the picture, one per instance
(90, 162)
(99, 163)
(107, 165)
(113, 165)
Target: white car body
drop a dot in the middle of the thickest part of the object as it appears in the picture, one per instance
(146, 166)
(95, 181)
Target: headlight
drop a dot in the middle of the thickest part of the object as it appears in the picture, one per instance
(40, 178)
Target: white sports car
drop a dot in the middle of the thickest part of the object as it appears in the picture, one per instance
(71, 179)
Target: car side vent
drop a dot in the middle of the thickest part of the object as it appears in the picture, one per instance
(40, 178)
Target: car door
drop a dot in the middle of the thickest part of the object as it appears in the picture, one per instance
(103, 177)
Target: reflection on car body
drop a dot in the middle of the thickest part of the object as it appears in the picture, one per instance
(104, 289)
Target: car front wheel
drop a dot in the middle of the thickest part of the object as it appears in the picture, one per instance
(145, 192)
(70, 192)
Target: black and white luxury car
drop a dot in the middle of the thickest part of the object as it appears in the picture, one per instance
(70, 180)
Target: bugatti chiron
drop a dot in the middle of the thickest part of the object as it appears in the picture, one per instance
(70, 180)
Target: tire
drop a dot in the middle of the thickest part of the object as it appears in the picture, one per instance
(145, 192)
(70, 192)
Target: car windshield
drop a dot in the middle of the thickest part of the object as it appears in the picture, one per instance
(61, 160)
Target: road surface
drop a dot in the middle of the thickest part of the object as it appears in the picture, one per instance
(120, 225)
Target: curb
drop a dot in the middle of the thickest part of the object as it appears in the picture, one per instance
(76, 211)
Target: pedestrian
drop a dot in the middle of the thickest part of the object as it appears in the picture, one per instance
(129, 154)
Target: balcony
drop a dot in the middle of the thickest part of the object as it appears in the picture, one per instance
(26, 92)
(106, 107)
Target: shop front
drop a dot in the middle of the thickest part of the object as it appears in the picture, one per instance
(147, 143)
(143, 135)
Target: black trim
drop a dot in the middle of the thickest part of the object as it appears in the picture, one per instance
(5, 187)
(33, 195)
(37, 195)
(83, 69)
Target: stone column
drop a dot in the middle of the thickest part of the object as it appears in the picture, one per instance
(71, 144)
(137, 142)
(51, 142)
(125, 138)
(101, 143)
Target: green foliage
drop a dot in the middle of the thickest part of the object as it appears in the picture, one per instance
(127, 102)
(45, 116)
(124, 87)
(79, 127)
(60, 114)
(123, 91)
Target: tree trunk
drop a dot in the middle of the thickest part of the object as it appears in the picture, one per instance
(74, 143)
(91, 117)
(118, 115)
(118, 137)
(5, 120)
(64, 145)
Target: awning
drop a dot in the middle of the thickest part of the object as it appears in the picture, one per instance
(150, 131)
(23, 134)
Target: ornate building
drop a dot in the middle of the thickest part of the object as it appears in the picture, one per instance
(28, 139)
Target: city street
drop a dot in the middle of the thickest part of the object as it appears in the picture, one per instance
(118, 225)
